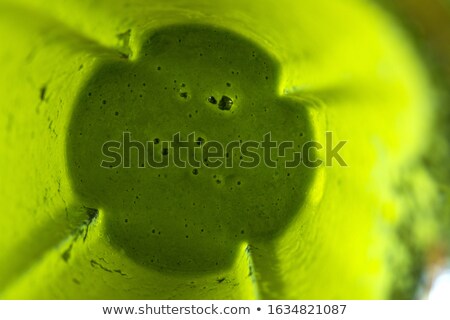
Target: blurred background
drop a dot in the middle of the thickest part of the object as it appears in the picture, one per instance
(429, 24)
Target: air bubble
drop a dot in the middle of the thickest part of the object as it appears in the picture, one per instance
(225, 103)
(200, 141)
(212, 100)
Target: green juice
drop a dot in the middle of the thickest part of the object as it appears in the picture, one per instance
(78, 74)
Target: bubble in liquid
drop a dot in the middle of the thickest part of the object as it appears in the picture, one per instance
(225, 103)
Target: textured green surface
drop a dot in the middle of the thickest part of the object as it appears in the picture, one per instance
(339, 66)
(172, 217)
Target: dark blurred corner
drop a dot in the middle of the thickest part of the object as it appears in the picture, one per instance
(430, 23)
